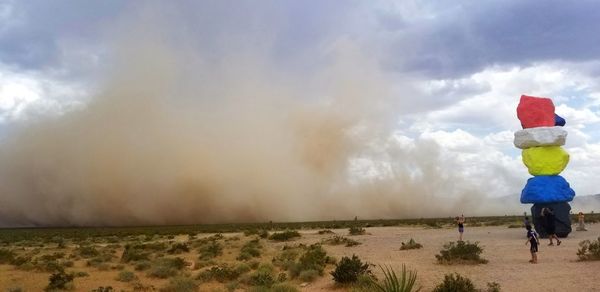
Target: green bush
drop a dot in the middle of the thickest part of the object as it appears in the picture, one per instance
(356, 230)
(180, 284)
(126, 276)
(178, 248)
(411, 244)
(286, 258)
(461, 252)
(589, 250)
(209, 250)
(349, 269)
(308, 275)
(250, 249)
(134, 253)
(455, 283)
(284, 236)
(87, 251)
(60, 281)
(221, 274)
(6, 256)
(262, 278)
(313, 258)
(166, 267)
(283, 287)
(142, 265)
(391, 282)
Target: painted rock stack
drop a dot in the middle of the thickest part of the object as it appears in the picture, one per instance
(541, 140)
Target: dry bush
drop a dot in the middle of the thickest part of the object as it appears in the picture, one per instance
(461, 252)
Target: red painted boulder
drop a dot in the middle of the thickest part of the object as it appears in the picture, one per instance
(535, 112)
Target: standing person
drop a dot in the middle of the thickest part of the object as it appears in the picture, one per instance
(581, 226)
(550, 225)
(526, 222)
(532, 239)
(461, 227)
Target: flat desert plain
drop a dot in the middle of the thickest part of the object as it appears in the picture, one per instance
(558, 268)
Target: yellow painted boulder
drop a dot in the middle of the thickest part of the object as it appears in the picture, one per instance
(549, 160)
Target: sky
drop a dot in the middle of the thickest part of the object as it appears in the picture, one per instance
(440, 74)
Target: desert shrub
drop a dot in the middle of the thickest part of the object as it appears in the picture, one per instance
(589, 250)
(250, 249)
(392, 283)
(313, 258)
(411, 244)
(262, 278)
(99, 260)
(282, 277)
(325, 231)
(178, 248)
(280, 287)
(87, 251)
(455, 283)
(60, 281)
(242, 268)
(349, 269)
(103, 289)
(356, 230)
(461, 252)
(210, 249)
(81, 274)
(283, 287)
(138, 286)
(286, 258)
(126, 276)
(180, 284)
(338, 239)
(166, 267)
(20, 261)
(6, 256)
(14, 289)
(285, 235)
(493, 287)
(221, 274)
(134, 253)
(142, 265)
(308, 275)
(263, 234)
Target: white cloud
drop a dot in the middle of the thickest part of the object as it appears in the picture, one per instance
(24, 95)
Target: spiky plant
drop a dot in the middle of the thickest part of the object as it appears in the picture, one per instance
(391, 282)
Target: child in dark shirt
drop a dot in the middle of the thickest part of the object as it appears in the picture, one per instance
(532, 239)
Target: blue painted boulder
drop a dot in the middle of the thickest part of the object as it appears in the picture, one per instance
(559, 121)
(547, 189)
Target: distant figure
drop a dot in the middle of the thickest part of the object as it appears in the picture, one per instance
(581, 226)
(532, 239)
(461, 227)
(549, 222)
(526, 222)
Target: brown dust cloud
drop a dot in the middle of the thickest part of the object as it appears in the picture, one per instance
(173, 137)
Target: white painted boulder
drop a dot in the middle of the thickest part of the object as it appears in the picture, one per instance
(540, 136)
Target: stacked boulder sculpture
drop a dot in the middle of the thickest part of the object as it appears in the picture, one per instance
(541, 139)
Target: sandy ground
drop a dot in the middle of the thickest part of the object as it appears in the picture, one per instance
(504, 247)
(558, 268)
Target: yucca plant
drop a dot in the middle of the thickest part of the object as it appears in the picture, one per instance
(391, 282)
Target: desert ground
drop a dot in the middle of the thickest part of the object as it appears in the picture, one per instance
(558, 268)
